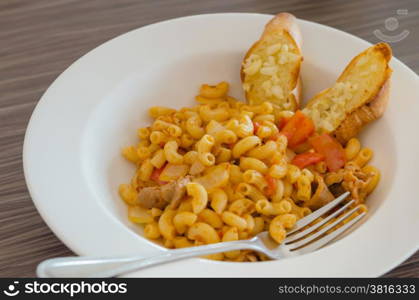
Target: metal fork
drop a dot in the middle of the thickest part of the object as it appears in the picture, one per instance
(304, 238)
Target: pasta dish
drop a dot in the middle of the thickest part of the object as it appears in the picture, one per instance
(224, 170)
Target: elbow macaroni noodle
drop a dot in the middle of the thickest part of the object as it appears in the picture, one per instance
(241, 180)
(171, 154)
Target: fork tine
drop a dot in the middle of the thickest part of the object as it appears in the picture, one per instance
(301, 234)
(322, 231)
(323, 241)
(311, 217)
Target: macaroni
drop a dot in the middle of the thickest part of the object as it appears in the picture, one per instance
(250, 191)
(128, 194)
(151, 231)
(193, 127)
(158, 137)
(373, 181)
(259, 225)
(224, 155)
(139, 215)
(183, 220)
(236, 175)
(182, 242)
(278, 171)
(245, 145)
(219, 200)
(155, 212)
(245, 126)
(250, 163)
(242, 206)
(293, 173)
(234, 220)
(145, 170)
(264, 132)
(166, 227)
(218, 114)
(226, 136)
(130, 154)
(363, 157)
(277, 230)
(211, 218)
(223, 171)
(352, 148)
(199, 196)
(255, 178)
(190, 157)
(264, 151)
(157, 111)
(279, 191)
(143, 133)
(186, 141)
(158, 159)
(230, 235)
(250, 222)
(204, 146)
(217, 91)
(303, 188)
(170, 152)
(204, 233)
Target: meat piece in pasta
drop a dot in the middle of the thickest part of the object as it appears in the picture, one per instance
(161, 196)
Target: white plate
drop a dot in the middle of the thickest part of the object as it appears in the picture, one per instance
(72, 158)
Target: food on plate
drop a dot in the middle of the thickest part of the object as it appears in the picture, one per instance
(225, 170)
(170, 193)
(359, 96)
(271, 67)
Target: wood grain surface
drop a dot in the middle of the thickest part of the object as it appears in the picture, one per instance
(39, 39)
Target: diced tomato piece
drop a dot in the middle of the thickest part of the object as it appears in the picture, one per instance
(304, 131)
(292, 125)
(155, 175)
(307, 158)
(270, 190)
(331, 149)
(298, 129)
(282, 123)
(256, 127)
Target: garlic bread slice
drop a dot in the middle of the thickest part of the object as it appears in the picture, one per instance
(271, 67)
(359, 96)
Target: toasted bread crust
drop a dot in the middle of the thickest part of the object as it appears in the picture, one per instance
(372, 109)
(385, 50)
(287, 23)
(372, 99)
(365, 114)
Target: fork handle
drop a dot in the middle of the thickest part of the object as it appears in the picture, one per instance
(111, 267)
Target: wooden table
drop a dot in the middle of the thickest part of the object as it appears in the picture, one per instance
(40, 39)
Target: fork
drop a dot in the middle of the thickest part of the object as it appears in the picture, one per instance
(303, 238)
